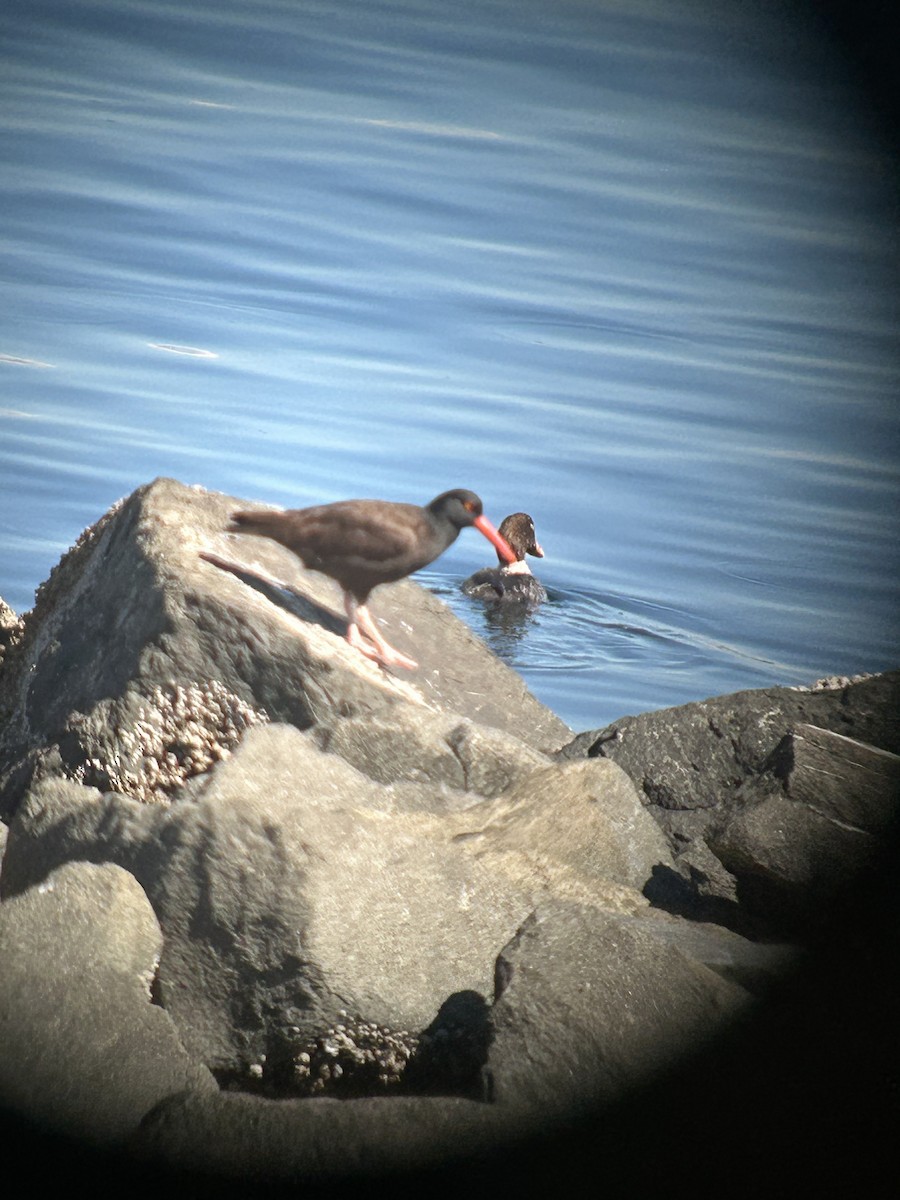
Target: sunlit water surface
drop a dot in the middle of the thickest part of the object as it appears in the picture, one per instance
(627, 267)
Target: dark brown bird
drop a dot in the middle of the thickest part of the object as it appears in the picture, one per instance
(511, 581)
(362, 543)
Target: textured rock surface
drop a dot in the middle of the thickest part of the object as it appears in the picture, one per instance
(291, 891)
(142, 662)
(772, 799)
(10, 628)
(691, 756)
(308, 1141)
(587, 815)
(590, 1004)
(83, 1048)
(234, 844)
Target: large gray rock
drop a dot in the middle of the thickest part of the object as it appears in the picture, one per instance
(292, 891)
(83, 1048)
(695, 757)
(850, 783)
(795, 849)
(772, 800)
(246, 1140)
(585, 814)
(159, 639)
(371, 886)
(591, 1004)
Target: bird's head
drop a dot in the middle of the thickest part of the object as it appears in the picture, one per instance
(463, 508)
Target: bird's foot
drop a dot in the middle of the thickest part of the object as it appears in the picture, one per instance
(375, 648)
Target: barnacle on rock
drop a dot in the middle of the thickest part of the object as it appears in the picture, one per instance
(355, 1058)
(834, 682)
(351, 1059)
(10, 628)
(180, 731)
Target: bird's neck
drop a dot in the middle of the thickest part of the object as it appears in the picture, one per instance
(517, 568)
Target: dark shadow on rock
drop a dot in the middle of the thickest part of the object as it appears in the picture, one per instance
(351, 1060)
(282, 596)
(452, 1053)
(357, 1059)
(678, 894)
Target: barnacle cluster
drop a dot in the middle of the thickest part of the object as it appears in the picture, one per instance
(10, 628)
(831, 683)
(355, 1058)
(179, 731)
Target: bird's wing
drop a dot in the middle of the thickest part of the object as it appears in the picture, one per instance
(371, 533)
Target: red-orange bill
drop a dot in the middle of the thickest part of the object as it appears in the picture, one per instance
(483, 525)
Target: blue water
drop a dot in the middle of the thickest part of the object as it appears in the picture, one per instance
(631, 268)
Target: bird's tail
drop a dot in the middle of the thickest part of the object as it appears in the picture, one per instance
(261, 522)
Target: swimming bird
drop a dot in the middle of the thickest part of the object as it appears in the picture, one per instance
(364, 543)
(511, 581)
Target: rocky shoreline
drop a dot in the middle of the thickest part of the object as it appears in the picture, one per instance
(269, 913)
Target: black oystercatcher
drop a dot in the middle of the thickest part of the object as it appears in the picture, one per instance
(362, 543)
(511, 582)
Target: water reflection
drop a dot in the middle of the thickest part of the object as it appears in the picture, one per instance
(506, 619)
(579, 640)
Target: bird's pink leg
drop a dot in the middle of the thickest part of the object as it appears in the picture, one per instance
(359, 622)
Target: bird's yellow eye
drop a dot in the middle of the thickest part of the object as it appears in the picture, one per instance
(468, 506)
